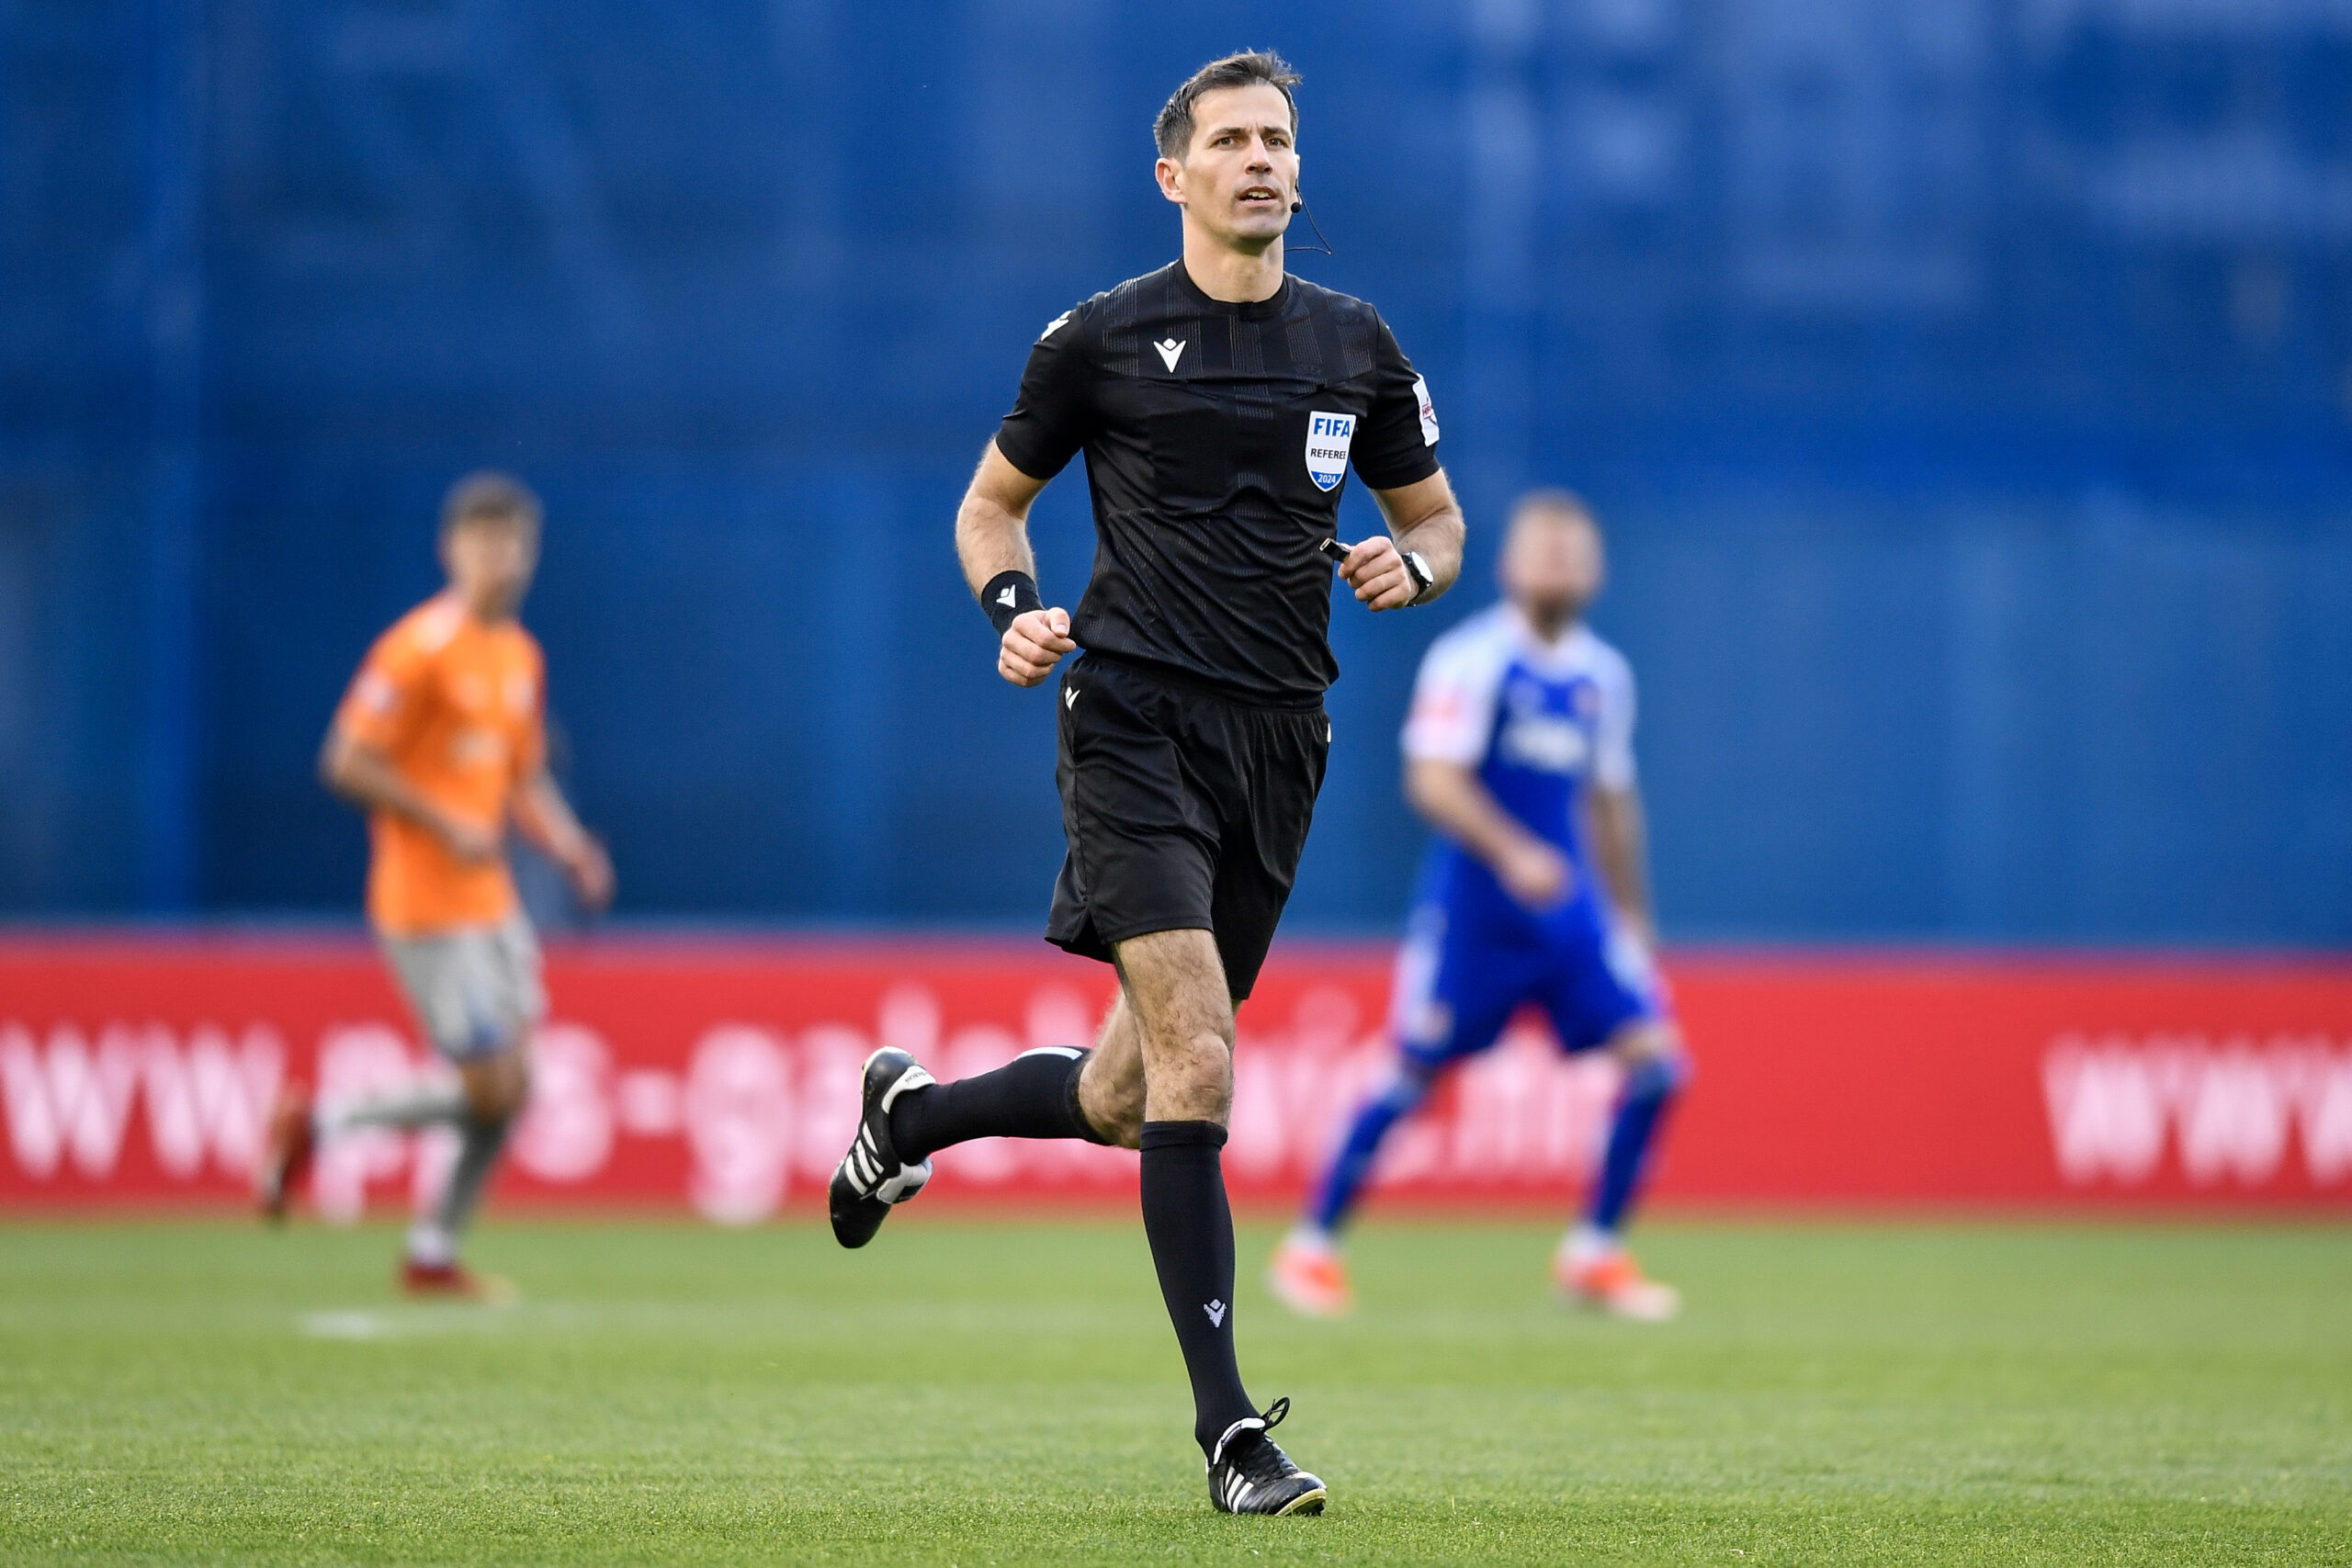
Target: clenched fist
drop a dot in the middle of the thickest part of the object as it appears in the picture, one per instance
(1032, 645)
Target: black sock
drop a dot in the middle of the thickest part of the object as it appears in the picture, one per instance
(1190, 1226)
(1032, 1096)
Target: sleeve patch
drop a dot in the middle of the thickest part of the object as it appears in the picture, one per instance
(1451, 716)
(1428, 411)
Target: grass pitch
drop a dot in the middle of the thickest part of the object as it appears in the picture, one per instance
(975, 1391)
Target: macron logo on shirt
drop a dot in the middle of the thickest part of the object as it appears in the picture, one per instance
(1170, 351)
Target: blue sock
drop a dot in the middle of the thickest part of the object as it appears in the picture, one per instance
(1650, 1088)
(1349, 1169)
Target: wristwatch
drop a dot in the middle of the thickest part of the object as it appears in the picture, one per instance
(1417, 568)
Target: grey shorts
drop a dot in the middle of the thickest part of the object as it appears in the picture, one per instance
(476, 991)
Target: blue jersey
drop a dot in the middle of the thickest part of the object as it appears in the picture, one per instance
(1540, 723)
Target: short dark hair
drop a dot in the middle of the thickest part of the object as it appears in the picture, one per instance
(1174, 130)
(491, 497)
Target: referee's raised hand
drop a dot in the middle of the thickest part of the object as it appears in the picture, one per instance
(1034, 644)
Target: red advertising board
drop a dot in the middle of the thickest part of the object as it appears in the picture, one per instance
(723, 1076)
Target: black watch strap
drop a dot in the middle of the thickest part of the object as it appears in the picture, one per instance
(1418, 570)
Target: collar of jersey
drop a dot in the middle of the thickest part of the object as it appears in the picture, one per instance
(1560, 656)
(1243, 309)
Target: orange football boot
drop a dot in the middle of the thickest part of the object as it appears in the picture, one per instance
(1612, 1283)
(1311, 1281)
(454, 1281)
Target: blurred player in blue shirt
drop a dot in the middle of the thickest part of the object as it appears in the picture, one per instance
(1519, 751)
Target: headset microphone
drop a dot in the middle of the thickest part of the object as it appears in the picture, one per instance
(1298, 204)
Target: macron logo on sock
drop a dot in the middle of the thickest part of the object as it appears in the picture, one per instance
(1217, 1314)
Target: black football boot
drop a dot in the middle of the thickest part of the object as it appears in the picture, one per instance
(871, 1177)
(1248, 1474)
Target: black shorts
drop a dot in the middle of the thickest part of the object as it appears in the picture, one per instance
(1184, 811)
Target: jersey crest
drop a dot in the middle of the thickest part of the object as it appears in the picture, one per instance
(1328, 437)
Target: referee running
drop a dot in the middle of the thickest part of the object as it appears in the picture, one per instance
(1218, 401)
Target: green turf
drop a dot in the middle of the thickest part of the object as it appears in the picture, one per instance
(975, 1392)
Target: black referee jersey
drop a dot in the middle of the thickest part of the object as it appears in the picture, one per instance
(1218, 437)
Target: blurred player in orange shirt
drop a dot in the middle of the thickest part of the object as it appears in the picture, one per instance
(441, 740)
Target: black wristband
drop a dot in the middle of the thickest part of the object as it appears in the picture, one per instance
(1010, 593)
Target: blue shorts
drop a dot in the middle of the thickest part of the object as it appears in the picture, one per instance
(1456, 989)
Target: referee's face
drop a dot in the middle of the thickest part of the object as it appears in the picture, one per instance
(1240, 173)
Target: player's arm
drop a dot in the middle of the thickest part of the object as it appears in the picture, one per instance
(991, 540)
(1620, 842)
(1423, 517)
(364, 775)
(546, 819)
(1449, 797)
(1616, 825)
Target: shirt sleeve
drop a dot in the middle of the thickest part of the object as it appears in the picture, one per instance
(1398, 446)
(1452, 715)
(1054, 414)
(1612, 760)
(387, 697)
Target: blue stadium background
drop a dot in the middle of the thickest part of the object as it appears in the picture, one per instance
(1966, 382)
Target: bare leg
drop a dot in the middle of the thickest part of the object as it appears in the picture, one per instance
(1110, 1088)
(1183, 1018)
(1175, 983)
(497, 1086)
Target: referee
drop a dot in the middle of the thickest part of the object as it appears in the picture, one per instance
(1218, 401)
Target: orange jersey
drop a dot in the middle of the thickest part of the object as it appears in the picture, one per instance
(459, 708)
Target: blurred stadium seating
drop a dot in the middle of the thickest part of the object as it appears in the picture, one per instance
(1966, 381)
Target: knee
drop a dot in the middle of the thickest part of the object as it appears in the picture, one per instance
(496, 1108)
(497, 1091)
(1404, 1092)
(1654, 1059)
(1191, 1081)
(1112, 1099)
